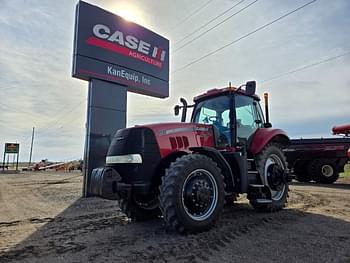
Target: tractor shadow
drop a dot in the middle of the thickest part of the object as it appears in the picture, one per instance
(94, 230)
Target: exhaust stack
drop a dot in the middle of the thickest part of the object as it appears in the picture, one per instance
(266, 100)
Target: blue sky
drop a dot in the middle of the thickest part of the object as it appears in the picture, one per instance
(37, 89)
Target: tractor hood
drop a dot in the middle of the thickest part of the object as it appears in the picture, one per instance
(176, 127)
(179, 136)
(161, 139)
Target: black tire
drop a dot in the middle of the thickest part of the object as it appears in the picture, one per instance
(230, 200)
(271, 151)
(135, 211)
(301, 172)
(324, 171)
(192, 194)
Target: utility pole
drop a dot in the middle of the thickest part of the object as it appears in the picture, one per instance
(31, 148)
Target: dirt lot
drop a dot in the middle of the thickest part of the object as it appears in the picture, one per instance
(43, 219)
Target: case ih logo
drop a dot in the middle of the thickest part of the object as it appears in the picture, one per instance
(126, 45)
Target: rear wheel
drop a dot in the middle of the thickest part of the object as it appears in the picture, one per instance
(271, 164)
(192, 193)
(140, 208)
(324, 171)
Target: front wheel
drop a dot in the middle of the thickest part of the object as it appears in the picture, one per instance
(192, 193)
(271, 164)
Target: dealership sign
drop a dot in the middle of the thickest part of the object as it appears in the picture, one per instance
(107, 47)
(11, 147)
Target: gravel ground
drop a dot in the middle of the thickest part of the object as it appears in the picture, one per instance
(43, 219)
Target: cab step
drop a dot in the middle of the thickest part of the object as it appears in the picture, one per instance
(263, 201)
(257, 185)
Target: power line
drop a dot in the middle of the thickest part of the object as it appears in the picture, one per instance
(63, 114)
(190, 15)
(306, 67)
(12, 109)
(46, 129)
(242, 37)
(207, 23)
(215, 26)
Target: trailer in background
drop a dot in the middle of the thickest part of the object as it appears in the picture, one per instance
(320, 160)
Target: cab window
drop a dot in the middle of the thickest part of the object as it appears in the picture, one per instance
(215, 111)
(247, 117)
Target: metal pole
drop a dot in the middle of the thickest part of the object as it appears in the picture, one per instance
(266, 98)
(3, 162)
(17, 159)
(31, 148)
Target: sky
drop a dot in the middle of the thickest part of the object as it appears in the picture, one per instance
(37, 90)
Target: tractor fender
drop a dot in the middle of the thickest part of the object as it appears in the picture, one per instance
(265, 135)
(219, 159)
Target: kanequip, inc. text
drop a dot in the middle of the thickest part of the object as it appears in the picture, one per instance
(128, 76)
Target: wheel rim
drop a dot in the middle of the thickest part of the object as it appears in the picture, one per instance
(199, 194)
(272, 160)
(327, 170)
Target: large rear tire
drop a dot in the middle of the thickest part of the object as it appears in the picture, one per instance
(271, 157)
(192, 194)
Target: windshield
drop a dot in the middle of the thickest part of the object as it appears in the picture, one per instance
(215, 111)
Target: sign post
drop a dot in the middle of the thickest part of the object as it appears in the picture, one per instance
(105, 115)
(115, 56)
(10, 148)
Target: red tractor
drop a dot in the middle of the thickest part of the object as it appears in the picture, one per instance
(186, 171)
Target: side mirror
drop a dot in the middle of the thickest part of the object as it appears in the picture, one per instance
(177, 110)
(250, 87)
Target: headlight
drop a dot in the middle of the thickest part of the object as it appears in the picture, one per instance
(128, 158)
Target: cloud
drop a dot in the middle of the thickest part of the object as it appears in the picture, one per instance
(36, 55)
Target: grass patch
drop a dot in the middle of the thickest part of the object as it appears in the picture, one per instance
(346, 170)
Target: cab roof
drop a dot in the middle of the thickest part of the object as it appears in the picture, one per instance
(221, 91)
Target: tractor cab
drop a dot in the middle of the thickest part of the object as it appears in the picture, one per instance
(235, 114)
